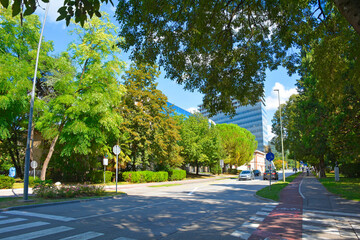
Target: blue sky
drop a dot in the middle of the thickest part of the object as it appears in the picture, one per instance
(59, 34)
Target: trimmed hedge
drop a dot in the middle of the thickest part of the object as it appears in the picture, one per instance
(145, 176)
(176, 174)
(6, 182)
(98, 176)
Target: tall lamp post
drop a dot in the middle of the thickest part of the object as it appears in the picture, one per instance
(282, 142)
(27, 153)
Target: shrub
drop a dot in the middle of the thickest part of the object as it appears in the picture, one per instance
(33, 181)
(145, 176)
(6, 182)
(350, 170)
(176, 174)
(233, 171)
(44, 190)
(98, 176)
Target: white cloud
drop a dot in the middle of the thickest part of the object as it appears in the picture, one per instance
(192, 110)
(272, 102)
(270, 134)
(54, 6)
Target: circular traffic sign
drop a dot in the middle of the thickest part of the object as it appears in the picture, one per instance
(33, 164)
(116, 149)
(270, 156)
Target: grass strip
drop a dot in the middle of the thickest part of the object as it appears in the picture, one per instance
(6, 202)
(166, 185)
(274, 192)
(348, 188)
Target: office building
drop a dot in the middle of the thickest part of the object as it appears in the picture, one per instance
(252, 118)
(178, 110)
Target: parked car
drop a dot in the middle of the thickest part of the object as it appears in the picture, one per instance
(257, 172)
(246, 175)
(274, 175)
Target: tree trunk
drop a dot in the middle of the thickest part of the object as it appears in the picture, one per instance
(51, 151)
(48, 157)
(197, 167)
(350, 10)
(322, 168)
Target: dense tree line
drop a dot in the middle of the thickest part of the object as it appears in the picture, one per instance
(87, 102)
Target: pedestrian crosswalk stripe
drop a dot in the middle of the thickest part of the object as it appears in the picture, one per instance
(321, 221)
(3, 217)
(250, 225)
(271, 206)
(40, 215)
(321, 229)
(266, 209)
(242, 235)
(308, 237)
(13, 220)
(262, 213)
(38, 234)
(22, 226)
(255, 218)
(84, 236)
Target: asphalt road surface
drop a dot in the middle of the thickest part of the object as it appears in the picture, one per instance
(206, 210)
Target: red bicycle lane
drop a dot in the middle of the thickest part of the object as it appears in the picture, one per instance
(285, 221)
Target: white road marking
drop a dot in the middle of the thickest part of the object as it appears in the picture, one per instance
(308, 237)
(267, 209)
(250, 225)
(40, 215)
(333, 213)
(84, 236)
(12, 220)
(3, 217)
(22, 226)
(271, 206)
(38, 234)
(333, 231)
(255, 218)
(262, 213)
(300, 189)
(242, 235)
(190, 193)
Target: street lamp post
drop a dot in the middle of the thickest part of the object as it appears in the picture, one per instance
(27, 153)
(282, 142)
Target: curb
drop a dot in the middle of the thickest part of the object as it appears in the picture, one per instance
(60, 203)
(265, 199)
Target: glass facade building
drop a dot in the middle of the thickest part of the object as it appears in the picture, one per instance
(178, 110)
(252, 118)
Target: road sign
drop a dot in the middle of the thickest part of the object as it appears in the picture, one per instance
(270, 156)
(116, 150)
(12, 172)
(33, 164)
(105, 161)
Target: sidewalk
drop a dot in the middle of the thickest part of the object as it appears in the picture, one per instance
(303, 194)
(316, 197)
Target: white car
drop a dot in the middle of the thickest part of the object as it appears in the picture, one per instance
(246, 175)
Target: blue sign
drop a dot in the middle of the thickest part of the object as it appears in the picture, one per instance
(270, 156)
(12, 172)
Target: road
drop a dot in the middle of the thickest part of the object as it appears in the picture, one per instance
(212, 210)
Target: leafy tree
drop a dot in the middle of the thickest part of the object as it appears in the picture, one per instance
(200, 142)
(83, 110)
(238, 143)
(151, 131)
(200, 42)
(18, 48)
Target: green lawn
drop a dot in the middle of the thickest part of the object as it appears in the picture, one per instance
(274, 192)
(348, 188)
(6, 202)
